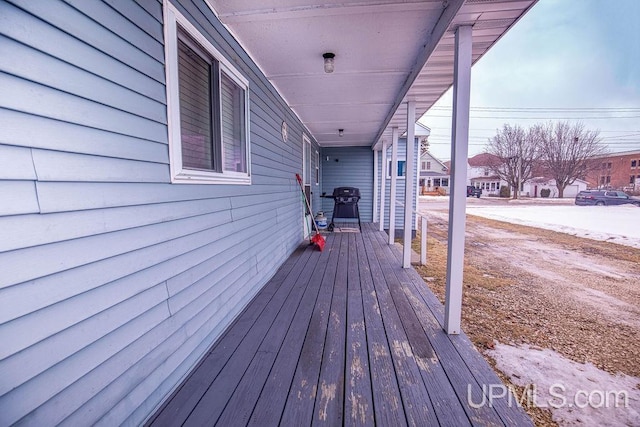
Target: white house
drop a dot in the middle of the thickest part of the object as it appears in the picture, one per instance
(480, 174)
(434, 174)
(534, 186)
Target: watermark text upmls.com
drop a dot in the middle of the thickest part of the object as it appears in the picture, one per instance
(557, 396)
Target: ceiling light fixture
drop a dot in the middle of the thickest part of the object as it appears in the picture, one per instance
(328, 62)
(341, 132)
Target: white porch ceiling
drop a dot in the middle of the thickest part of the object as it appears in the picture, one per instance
(387, 52)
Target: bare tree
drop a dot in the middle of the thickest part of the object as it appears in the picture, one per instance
(516, 152)
(567, 150)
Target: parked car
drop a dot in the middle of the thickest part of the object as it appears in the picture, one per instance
(473, 191)
(605, 198)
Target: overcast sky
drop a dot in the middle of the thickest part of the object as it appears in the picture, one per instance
(565, 59)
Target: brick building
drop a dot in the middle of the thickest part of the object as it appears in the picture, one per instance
(620, 171)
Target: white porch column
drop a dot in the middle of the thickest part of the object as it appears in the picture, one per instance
(383, 183)
(376, 186)
(458, 197)
(394, 180)
(408, 184)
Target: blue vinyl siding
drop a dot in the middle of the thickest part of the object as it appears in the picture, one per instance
(400, 184)
(348, 167)
(115, 282)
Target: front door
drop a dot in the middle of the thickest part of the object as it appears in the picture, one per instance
(306, 180)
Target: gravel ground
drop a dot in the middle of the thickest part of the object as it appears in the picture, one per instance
(577, 297)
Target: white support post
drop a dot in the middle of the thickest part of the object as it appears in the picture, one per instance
(383, 183)
(408, 184)
(394, 181)
(423, 240)
(458, 197)
(416, 206)
(376, 186)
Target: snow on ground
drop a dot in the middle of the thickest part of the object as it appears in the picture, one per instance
(578, 394)
(617, 224)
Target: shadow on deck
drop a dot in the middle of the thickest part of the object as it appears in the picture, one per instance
(341, 337)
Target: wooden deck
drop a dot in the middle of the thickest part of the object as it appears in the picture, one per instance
(341, 337)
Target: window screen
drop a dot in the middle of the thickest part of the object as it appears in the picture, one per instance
(233, 120)
(196, 125)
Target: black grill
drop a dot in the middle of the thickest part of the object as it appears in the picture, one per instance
(345, 205)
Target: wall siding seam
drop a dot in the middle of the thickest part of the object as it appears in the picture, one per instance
(79, 68)
(35, 187)
(146, 268)
(52, 391)
(50, 20)
(195, 346)
(80, 230)
(128, 14)
(76, 52)
(84, 125)
(166, 288)
(102, 147)
(193, 231)
(194, 339)
(91, 100)
(146, 6)
(150, 40)
(67, 324)
(32, 8)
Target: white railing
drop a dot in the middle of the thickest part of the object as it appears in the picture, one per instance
(423, 234)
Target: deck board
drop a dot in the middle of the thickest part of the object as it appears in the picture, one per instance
(340, 337)
(466, 359)
(300, 403)
(358, 394)
(273, 397)
(388, 407)
(329, 404)
(414, 397)
(251, 362)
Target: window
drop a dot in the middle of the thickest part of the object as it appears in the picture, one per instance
(401, 169)
(602, 180)
(634, 163)
(609, 165)
(207, 103)
(306, 160)
(423, 165)
(608, 180)
(632, 179)
(317, 168)
(445, 182)
(486, 172)
(428, 165)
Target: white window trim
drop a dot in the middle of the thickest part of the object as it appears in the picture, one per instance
(306, 162)
(399, 176)
(173, 18)
(317, 171)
